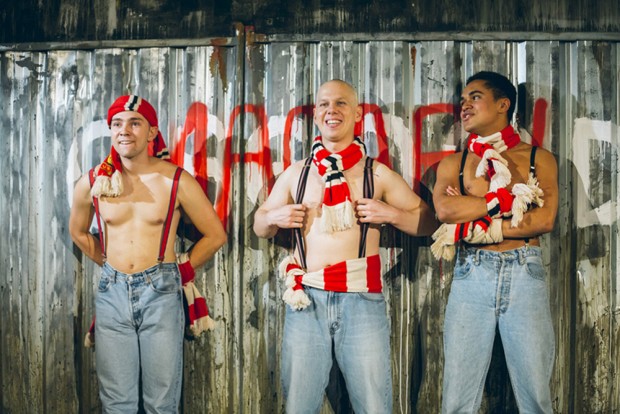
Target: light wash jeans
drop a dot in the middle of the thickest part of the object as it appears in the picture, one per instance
(490, 289)
(139, 335)
(355, 326)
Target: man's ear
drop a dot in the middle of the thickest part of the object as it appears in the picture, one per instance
(358, 113)
(153, 133)
(504, 105)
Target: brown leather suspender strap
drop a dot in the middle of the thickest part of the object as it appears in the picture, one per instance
(165, 232)
(91, 178)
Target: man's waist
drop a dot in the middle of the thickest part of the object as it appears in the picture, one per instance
(506, 244)
(122, 272)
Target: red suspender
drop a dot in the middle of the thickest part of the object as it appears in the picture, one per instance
(91, 177)
(165, 232)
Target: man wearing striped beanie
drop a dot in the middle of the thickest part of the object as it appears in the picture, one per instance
(138, 198)
(490, 199)
(336, 201)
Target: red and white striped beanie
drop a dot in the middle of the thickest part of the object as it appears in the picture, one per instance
(108, 182)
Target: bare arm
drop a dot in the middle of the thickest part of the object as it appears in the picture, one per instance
(539, 220)
(452, 208)
(278, 211)
(81, 216)
(200, 211)
(399, 206)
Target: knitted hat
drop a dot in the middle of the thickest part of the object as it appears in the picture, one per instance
(108, 182)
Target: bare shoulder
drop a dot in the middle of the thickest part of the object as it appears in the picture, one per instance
(166, 168)
(290, 175)
(82, 188)
(544, 156)
(82, 200)
(384, 174)
(387, 181)
(451, 161)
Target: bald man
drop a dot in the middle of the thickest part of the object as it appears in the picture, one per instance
(335, 202)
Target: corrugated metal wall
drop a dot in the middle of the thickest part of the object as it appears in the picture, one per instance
(235, 112)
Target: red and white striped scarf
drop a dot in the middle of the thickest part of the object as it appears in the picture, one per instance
(354, 275)
(337, 211)
(489, 149)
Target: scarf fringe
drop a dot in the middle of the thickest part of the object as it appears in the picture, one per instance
(525, 195)
(296, 299)
(445, 237)
(89, 340)
(201, 325)
(294, 295)
(337, 218)
(105, 186)
(443, 247)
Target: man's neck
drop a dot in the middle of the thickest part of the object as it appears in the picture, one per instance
(137, 165)
(337, 146)
(491, 129)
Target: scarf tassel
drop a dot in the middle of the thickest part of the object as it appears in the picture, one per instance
(526, 195)
(338, 217)
(294, 294)
(443, 247)
(105, 186)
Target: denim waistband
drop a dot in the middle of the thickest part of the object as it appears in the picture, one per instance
(519, 254)
(109, 270)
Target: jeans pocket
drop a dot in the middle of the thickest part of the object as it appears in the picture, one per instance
(463, 268)
(535, 268)
(165, 282)
(104, 283)
(371, 297)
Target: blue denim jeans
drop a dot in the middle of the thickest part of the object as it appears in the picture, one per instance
(139, 334)
(356, 328)
(506, 290)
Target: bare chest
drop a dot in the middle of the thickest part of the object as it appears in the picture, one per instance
(143, 202)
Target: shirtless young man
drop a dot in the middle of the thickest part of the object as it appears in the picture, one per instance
(139, 307)
(500, 283)
(335, 299)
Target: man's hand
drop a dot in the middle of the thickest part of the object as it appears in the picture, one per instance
(289, 216)
(374, 211)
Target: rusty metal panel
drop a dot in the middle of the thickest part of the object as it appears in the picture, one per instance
(235, 115)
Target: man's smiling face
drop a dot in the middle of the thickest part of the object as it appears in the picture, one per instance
(336, 112)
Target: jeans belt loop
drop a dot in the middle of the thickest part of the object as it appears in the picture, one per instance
(522, 255)
(477, 257)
